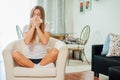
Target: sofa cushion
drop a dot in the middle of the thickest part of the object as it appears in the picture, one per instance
(114, 73)
(101, 63)
(111, 58)
(114, 49)
(105, 48)
(36, 72)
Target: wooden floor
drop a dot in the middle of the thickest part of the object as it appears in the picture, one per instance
(86, 75)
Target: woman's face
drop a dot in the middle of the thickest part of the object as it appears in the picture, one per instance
(37, 12)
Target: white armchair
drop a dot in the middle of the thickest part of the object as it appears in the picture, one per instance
(15, 72)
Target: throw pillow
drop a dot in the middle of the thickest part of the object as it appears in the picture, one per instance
(114, 49)
(105, 48)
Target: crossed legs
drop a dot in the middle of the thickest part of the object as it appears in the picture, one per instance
(20, 59)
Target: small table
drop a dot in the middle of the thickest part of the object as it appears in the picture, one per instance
(80, 48)
(76, 47)
(58, 36)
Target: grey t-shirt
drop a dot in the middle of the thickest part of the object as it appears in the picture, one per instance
(36, 50)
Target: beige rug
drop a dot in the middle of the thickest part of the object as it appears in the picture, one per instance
(77, 66)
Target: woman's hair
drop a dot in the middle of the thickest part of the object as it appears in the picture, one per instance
(42, 26)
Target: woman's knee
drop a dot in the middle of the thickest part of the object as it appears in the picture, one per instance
(16, 54)
(54, 51)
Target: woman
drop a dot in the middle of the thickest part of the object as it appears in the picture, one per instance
(36, 36)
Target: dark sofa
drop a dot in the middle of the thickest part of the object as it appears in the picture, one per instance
(101, 63)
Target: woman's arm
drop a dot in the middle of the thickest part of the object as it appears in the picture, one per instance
(28, 35)
(44, 37)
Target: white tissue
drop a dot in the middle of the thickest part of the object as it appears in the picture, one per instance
(40, 20)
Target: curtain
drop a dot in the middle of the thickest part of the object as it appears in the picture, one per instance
(55, 14)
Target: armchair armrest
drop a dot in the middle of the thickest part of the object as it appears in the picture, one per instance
(97, 49)
(8, 62)
(61, 62)
(7, 57)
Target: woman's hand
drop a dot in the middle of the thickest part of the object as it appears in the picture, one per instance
(38, 22)
(33, 21)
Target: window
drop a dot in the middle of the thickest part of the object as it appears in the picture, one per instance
(55, 14)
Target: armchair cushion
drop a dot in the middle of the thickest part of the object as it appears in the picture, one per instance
(36, 72)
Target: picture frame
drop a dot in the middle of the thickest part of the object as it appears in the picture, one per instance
(88, 5)
(82, 6)
(85, 5)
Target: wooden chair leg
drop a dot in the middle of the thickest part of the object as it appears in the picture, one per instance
(73, 55)
(85, 57)
(68, 57)
(80, 55)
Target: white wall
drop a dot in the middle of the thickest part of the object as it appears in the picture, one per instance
(12, 13)
(103, 19)
(15, 12)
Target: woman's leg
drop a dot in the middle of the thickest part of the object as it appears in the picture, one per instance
(22, 60)
(50, 57)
